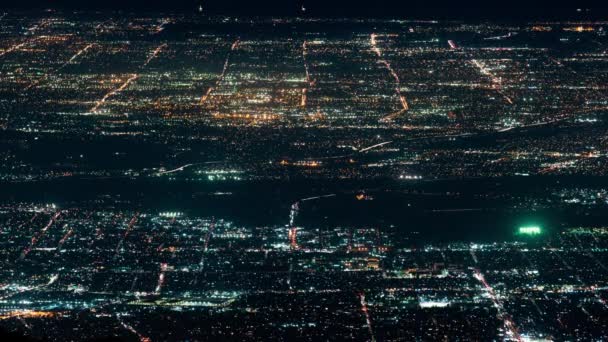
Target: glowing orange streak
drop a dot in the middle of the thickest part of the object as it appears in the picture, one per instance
(85, 49)
(221, 77)
(114, 92)
(154, 54)
(303, 100)
(293, 238)
(17, 47)
(403, 102)
(161, 27)
(28, 314)
(206, 95)
(508, 99)
(374, 45)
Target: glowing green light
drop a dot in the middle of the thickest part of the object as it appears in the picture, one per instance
(530, 230)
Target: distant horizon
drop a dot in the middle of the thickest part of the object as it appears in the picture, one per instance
(382, 9)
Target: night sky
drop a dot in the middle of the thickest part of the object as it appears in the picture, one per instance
(468, 9)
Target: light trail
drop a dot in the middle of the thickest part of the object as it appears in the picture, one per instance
(292, 232)
(496, 81)
(505, 36)
(374, 146)
(64, 238)
(509, 325)
(17, 46)
(127, 326)
(41, 23)
(154, 54)
(113, 92)
(127, 231)
(45, 76)
(38, 236)
(309, 80)
(374, 44)
(99, 28)
(293, 238)
(161, 27)
(367, 317)
(317, 197)
(161, 278)
(531, 125)
(303, 99)
(295, 207)
(83, 50)
(181, 168)
(402, 100)
(233, 47)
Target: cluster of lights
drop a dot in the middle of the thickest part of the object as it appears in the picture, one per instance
(410, 177)
(170, 214)
(530, 230)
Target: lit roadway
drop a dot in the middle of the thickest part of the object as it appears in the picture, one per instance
(309, 80)
(233, 47)
(129, 80)
(496, 81)
(387, 65)
(510, 327)
(368, 320)
(70, 61)
(113, 92)
(38, 236)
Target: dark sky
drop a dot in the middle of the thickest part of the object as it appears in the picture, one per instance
(465, 9)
